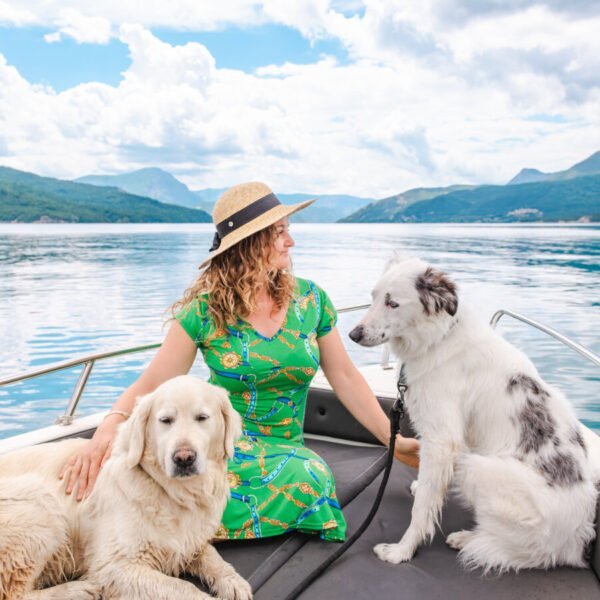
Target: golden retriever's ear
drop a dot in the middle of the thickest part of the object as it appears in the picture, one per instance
(233, 423)
(136, 430)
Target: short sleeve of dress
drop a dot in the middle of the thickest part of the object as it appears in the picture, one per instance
(328, 314)
(193, 318)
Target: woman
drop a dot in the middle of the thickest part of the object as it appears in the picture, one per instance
(262, 333)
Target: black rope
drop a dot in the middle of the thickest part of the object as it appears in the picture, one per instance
(396, 414)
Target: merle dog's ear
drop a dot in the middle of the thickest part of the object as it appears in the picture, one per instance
(396, 258)
(437, 292)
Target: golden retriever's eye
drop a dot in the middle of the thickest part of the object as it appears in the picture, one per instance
(201, 417)
(166, 420)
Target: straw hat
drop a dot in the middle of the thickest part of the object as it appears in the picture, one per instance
(243, 210)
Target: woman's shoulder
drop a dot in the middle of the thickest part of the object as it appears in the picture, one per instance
(197, 305)
(307, 285)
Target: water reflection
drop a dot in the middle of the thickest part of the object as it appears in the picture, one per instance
(66, 290)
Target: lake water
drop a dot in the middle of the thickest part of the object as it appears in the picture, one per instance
(68, 290)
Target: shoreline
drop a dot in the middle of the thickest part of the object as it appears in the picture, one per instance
(459, 223)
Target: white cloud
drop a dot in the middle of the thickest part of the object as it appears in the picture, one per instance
(426, 99)
(157, 64)
(181, 14)
(81, 28)
(10, 15)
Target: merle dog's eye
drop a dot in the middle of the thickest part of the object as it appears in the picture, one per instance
(201, 417)
(389, 302)
(166, 420)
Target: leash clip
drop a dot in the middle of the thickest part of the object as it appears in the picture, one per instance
(402, 387)
(398, 406)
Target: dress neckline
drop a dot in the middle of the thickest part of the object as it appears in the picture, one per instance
(249, 325)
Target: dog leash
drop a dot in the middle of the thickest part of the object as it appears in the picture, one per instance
(396, 415)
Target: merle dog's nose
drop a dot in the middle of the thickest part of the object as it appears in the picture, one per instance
(184, 458)
(357, 333)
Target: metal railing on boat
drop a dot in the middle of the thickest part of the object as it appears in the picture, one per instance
(90, 360)
(547, 330)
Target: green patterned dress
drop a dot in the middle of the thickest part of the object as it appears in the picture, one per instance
(277, 483)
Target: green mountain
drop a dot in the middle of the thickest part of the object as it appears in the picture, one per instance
(568, 195)
(151, 183)
(27, 198)
(388, 209)
(589, 166)
(528, 176)
(162, 186)
(568, 200)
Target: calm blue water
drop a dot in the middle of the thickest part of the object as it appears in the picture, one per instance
(66, 290)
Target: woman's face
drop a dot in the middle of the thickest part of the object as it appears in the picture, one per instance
(283, 243)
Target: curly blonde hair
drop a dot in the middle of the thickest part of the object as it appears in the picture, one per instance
(231, 280)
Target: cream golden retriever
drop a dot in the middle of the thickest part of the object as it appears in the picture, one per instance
(156, 505)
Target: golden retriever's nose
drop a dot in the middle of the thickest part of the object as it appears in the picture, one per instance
(184, 459)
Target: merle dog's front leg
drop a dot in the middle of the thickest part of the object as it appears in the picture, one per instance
(435, 472)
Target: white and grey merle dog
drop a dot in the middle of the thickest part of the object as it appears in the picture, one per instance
(509, 442)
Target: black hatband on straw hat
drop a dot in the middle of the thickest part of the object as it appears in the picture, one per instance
(243, 216)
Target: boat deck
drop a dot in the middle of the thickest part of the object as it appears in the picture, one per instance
(274, 567)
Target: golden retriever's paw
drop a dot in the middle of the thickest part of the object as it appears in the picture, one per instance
(458, 539)
(233, 587)
(393, 553)
(77, 590)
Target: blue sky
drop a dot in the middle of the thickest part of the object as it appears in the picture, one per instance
(62, 65)
(66, 64)
(327, 96)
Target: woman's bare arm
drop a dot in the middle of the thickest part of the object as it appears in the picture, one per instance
(174, 357)
(356, 395)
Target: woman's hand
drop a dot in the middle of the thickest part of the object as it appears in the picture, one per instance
(174, 357)
(356, 395)
(83, 467)
(406, 450)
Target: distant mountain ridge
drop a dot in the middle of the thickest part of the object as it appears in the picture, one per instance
(383, 211)
(161, 185)
(150, 182)
(329, 208)
(531, 196)
(208, 197)
(589, 166)
(27, 198)
(540, 201)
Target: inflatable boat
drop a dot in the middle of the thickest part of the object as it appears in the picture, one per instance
(275, 566)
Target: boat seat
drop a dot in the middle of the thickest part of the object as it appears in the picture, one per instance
(274, 566)
(434, 572)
